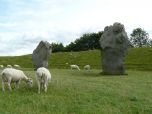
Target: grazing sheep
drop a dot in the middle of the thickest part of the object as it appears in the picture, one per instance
(10, 75)
(1, 66)
(74, 67)
(9, 66)
(87, 67)
(43, 77)
(17, 66)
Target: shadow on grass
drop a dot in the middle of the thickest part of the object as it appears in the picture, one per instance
(93, 73)
(109, 75)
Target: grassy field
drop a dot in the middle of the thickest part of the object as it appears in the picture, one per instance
(137, 58)
(82, 92)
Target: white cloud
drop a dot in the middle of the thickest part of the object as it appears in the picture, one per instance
(23, 24)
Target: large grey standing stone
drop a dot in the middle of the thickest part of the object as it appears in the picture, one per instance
(41, 54)
(114, 44)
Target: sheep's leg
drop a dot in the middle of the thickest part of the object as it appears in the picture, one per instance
(45, 87)
(9, 86)
(42, 86)
(3, 89)
(47, 82)
(39, 86)
(17, 84)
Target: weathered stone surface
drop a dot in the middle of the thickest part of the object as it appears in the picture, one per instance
(114, 44)
(41, 54)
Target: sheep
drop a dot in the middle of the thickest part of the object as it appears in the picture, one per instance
(1, 66)
(17, 66)
(10, 75)
(87, 67)
(74, 67)
(9, 66)
(43, 77)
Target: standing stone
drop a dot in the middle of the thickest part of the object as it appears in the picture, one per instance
(41, 54)
(114, 44)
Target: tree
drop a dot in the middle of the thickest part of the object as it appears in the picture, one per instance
(139, 38)
(57, 47)
(70, 47)
(85, 42)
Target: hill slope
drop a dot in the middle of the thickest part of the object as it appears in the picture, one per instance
(137, 58)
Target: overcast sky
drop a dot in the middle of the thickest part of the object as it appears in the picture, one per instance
(24, 23)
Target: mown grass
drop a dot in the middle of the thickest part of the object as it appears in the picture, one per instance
(83, 92)
(137, 58)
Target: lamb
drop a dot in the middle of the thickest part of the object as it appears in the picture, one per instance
(1, 66)
(17, 66)
(9, 66)
(43, 77)
(74, 67)
(87, 67)
(10, 75)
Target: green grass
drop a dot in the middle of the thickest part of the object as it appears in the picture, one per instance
(59, 60)
(74, 92)
(137, 58)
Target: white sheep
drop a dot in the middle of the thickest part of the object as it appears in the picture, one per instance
(17, 66)
(43, 77)
(10, 75)
(87, 67)
(1, 66)
(9, 66)
(74, 67)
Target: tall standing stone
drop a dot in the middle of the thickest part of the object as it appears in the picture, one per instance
(114, 44)
(41, 54)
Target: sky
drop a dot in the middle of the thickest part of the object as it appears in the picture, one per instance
(24, 23)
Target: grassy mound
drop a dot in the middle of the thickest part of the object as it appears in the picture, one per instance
(137, 58)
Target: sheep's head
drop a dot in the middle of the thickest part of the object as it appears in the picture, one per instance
(29, 82)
